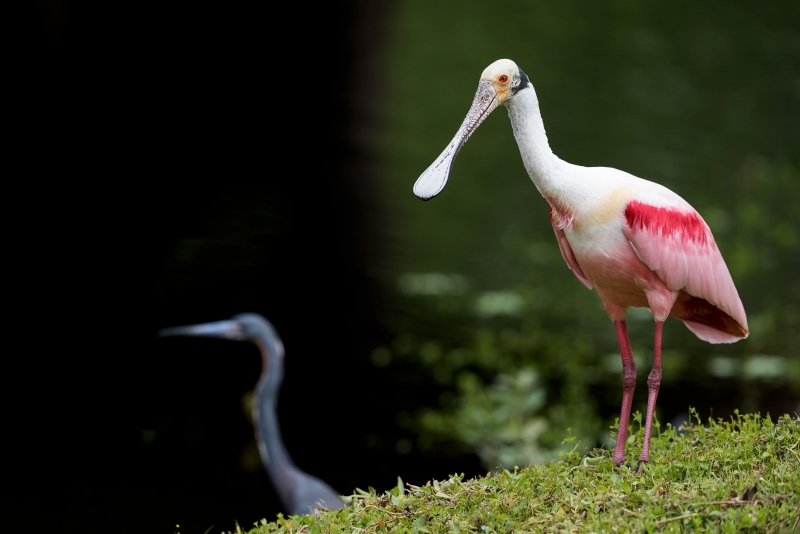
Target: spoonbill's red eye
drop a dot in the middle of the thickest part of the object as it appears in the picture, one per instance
(503, 78)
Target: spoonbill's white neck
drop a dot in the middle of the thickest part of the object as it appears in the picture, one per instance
(526, 121)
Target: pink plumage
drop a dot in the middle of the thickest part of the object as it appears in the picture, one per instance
(678, 247)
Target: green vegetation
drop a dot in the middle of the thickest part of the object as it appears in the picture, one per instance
(737, 475)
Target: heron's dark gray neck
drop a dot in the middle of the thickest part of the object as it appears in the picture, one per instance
(276, 459)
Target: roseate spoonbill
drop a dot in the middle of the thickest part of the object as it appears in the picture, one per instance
(299, 492)
(634, 241)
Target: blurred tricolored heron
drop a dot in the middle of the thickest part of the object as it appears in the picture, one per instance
(300, 492)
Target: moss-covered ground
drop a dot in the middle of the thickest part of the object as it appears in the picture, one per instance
(736, 475)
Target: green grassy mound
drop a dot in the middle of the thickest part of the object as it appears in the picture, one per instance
(741, 475)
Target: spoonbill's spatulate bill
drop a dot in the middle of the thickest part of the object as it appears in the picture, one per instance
(634, 241)
(300, 492)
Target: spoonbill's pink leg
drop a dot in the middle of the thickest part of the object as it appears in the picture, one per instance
(628, 383)
(653, 383)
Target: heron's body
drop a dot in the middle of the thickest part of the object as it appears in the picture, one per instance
(633, 241)
(301, 492)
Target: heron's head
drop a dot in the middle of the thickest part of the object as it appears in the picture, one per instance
(242, 327)
(252, 326)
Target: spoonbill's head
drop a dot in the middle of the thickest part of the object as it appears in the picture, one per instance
(499, 83)
(505, 79)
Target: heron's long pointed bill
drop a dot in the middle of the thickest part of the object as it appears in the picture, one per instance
(432, 181)
(224, 329)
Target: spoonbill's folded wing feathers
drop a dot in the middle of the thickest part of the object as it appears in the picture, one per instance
(566, 252)
(675, 242)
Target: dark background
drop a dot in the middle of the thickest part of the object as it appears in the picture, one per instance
(166, 122)
(186, 162)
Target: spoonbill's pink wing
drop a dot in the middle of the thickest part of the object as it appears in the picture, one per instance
(677, 244)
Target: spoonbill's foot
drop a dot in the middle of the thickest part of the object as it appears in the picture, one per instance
(632, 467)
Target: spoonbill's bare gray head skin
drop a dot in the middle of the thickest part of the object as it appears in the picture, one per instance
(498, 85)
